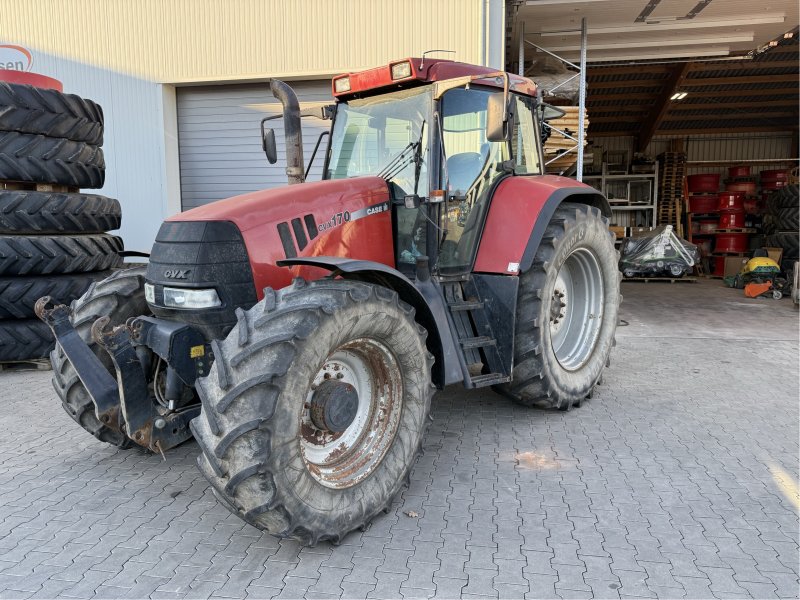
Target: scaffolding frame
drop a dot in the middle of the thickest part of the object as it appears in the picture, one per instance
(581, 74)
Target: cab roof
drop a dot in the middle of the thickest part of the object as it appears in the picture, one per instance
(421, 72)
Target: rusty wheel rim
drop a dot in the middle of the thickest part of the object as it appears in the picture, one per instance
(343, 459)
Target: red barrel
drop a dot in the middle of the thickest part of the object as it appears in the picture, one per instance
(739, 171)
(731, 200)
(772, 180)
(744, 187)
(731, 218)
(704, 204)
(731, 242)
(703, 182)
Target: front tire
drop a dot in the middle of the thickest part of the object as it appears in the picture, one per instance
(118, 297)
(567, 311)
(263, 449)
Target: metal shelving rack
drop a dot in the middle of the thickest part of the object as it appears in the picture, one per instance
(579, 140)
(640, 192)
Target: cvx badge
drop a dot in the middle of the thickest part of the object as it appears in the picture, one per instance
(176, 273)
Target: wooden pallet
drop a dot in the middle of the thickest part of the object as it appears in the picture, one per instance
(42, 364)
(37, 187)
(689, 279)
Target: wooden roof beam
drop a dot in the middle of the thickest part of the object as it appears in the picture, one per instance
(745, 92)
(724, 129)
(726, 103)
(627, 83)
(661, 106)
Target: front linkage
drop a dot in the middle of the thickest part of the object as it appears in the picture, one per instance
(128, 404)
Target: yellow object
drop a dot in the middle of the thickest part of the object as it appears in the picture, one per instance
(197, 351)
(759, 262)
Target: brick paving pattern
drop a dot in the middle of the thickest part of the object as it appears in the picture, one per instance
(671, 482)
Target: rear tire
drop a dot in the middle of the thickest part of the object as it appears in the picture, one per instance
(265, 462)
(57, 254)
(559, 359)
(29, 339)
(18, 295)
(29, 109)
(41, 159)
(50, 212)
(119, 297)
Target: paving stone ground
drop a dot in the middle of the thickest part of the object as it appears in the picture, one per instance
(678, 479)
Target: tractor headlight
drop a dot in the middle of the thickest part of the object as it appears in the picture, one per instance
(183, 298)
(150, 293)
(342, 85)
(401, 70)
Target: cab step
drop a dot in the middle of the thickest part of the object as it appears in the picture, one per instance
(488, 379)
(481, 341)
(466, 305)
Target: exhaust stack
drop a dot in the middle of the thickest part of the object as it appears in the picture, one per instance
(293, 133)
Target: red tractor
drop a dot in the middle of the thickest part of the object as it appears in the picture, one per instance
(299, 333)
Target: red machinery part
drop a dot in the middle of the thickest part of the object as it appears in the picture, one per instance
(704, 204)
(34, 79)
(731, 200)
(731, 218)
(745, 187)
(739, 171)
(703, 182)
(731, 242)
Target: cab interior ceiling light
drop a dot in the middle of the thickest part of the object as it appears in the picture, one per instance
(679, 95)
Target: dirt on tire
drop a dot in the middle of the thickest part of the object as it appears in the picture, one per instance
(119, 297)
(249, 429)
(539, 378)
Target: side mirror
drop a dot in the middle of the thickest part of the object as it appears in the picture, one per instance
(268, 145)
(496, 125)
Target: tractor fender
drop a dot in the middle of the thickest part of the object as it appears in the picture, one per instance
(423, 296)
(520, 211)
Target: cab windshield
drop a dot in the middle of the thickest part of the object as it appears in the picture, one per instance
(386, 136)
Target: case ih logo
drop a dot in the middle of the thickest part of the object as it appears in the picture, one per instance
(15, 58)
(176, 273)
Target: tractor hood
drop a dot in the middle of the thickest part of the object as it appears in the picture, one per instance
(342, 217)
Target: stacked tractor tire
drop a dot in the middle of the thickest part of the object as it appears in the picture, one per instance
(782, 222)
(53, 239)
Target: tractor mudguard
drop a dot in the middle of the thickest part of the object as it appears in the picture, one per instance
(423, 295)
(521, 210)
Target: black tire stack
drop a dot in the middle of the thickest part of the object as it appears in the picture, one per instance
(52, 237)
(782, 222)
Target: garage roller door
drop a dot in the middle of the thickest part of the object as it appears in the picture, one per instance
(220, 140)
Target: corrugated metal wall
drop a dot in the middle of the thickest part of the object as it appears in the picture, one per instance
(220, 139)
(210, 40)
(720, 147)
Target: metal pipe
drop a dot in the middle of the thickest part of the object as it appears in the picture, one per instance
(521, 69)
(581, 102)
(292, 128)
